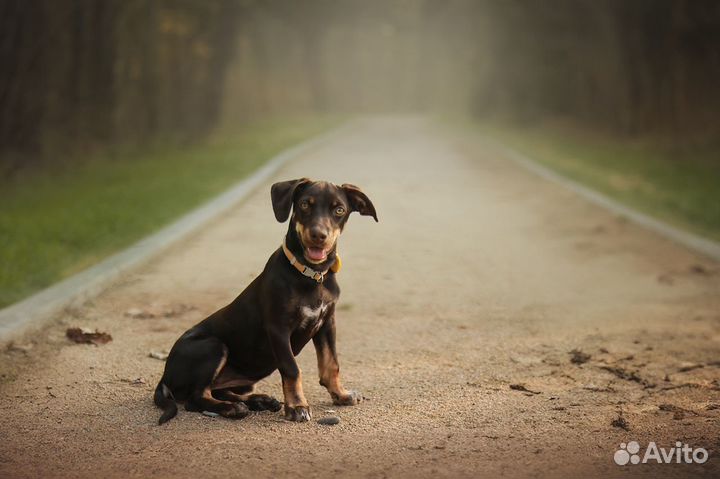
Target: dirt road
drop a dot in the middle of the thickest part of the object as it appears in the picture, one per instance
(478, 277)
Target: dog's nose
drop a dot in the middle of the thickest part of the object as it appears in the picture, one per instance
(318, 234)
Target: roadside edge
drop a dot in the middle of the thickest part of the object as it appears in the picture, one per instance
(689, 240)
(34, 310)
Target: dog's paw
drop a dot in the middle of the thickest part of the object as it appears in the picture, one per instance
(297, 413)
(236, 410)
(351, 398)
(263, 402)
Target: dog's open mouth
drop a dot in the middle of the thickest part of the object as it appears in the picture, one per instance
(316, 254)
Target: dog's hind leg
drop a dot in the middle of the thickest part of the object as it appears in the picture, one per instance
(234, 394)
(244, 394)
(201, 398)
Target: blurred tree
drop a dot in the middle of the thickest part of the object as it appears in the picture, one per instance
(81, 74)
(645, 66)
(84, 73)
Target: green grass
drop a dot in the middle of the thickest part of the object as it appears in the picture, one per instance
(59, 220)
(681, 187)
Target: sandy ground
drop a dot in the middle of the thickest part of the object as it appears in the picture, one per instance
(479, 276)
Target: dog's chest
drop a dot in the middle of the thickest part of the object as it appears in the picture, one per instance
(312, 317)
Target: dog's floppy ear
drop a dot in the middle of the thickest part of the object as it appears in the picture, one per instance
(359, 201)
(282, 195)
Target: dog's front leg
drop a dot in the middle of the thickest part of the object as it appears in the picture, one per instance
(328, 366)
(296, 406)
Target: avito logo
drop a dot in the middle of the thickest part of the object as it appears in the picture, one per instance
(680, 454)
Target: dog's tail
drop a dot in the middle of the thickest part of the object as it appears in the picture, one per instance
(164, 400)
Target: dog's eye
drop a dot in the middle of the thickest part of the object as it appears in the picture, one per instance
(304, 205)
(339, 211)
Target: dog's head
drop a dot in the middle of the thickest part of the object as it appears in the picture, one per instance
(319, 212)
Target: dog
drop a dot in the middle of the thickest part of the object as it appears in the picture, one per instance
(214, 365)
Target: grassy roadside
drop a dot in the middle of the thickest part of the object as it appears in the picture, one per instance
(680, 188)
(58, 221)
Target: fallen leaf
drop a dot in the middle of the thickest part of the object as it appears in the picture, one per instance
(134, 382)
(678, 412)
(620, 422)
(22, 348)
(87, 336)
(177, 310)
(579, 357)
(627, 375)
(699, 269)
(598, 389)
(159, 312)
(137, 313)
(690, 366)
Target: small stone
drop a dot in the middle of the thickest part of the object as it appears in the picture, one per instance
(161, 355)
(210, 414)
(329, 420)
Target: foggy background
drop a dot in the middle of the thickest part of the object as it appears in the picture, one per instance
(80, 74)
(492, 317)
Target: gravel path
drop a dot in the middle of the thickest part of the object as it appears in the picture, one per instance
(459, 313)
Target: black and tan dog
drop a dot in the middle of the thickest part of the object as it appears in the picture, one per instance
(214, 365)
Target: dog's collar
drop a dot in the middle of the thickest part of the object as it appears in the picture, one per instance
(318, 276)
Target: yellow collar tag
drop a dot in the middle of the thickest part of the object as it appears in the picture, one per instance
(337, 265)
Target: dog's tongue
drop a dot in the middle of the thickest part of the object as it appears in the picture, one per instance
(316, 254)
